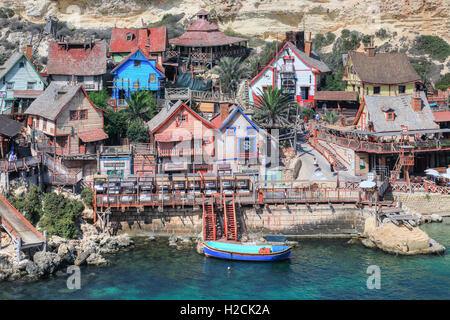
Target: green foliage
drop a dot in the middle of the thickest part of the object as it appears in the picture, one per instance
(273, 107)
(309, 113)
(444, 82)
(31, 204)
(366, 39)
(6, 13)
(331, 116)
(174, 28)
(435, 46)
(100, 99)
(230, 71)
(60, 215)
(263, 59)
(321, 40)
(422, 67)
(333, 82)
(141, 105)
(115, 125)
(137, 131)
(381, 34)
(2, 59)
(87, 195)
(345, 34)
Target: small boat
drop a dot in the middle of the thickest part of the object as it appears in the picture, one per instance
(244, 252)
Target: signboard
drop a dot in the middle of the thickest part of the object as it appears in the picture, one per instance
(175, 166)
(114, 164)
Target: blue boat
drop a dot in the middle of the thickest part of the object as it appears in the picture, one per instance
(243, 252)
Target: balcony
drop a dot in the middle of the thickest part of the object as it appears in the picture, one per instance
(179, 152)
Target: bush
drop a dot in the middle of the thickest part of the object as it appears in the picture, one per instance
(115, 125)
(435, 46)
(345, 34)
(60, 215)
(100, 99)
(366, 39)
(309, 113)
(444, 82)
(87, 195)
(137, 131)
(382, 34)
(31, 204)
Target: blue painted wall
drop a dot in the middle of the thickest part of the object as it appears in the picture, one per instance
(127, 71)
(20, 74)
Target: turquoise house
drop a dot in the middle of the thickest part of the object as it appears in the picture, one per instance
(20, 84)
(135, 72)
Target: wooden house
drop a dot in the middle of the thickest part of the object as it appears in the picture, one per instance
(184, 141)
(204, 43)
(151, 41)
(20, 84)
(81, 62)
(65, 122)
(9, 129)
(380, 74)
(136, 72)
(242, 146)
(296, 71)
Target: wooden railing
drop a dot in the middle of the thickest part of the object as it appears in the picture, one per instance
(205, 96)
(175, 152)
(19, 164)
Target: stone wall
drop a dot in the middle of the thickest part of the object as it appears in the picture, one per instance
(421, 203)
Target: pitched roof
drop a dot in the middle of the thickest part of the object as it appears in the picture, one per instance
(49, 104)
(157, 38)
(384, 68)
(9, 127)
(158, 68)
(167, 112)
(92, 135)
(404, 113)
(233, 112)
(11, 62)
(313, 60)
(76, 60)
(203, 33)
(336, 95)
(442, 116)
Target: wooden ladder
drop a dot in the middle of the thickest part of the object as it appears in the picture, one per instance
(209, 220)
(230, 218)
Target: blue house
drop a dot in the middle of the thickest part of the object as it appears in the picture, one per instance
(135, 72)
(20, 84)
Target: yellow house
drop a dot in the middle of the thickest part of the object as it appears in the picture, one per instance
(380, 74)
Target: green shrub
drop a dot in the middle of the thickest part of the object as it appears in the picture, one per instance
(345, 34)
(382, 34)
(100, 99)
(115, 126)
(87, 195)
(31, 204)
(137, 132)
(444, 82)
(435, 46)
(60, 215)
(309, 113)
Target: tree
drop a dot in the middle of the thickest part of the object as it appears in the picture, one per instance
(115, 125)
(274, 106)
(141, 105)
(444, 82)
(100, 99)
(230, 72)
(309, 113)
(137, 131)
(331, 117)
(31, 204)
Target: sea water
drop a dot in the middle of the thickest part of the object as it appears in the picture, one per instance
(318, 269)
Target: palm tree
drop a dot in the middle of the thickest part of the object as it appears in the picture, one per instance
(230, 72)
(331, 116)
(141, 105)
(273, 107)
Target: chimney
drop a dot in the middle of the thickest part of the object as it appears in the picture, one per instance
(370, 49)
(308, 44)
(416, 101)
(29, 51)
(223, 111)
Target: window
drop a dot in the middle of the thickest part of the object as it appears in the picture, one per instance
(82, 115)
(251, 131)
(10, 86)
(353, 87)
(136, 85)
(401, 89)
(152, 77)
(182, 118)
(21, 65)
(367, 90)
(30, 85)
(73, 115)
(137, 63)
(304, 93)
(44, 125)
(390, 116)
(376, 90)
(231, 131)
(80, 79)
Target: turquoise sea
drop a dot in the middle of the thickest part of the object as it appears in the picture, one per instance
(318, 269)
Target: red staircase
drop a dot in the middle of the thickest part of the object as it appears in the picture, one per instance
(403, 161)
(230, 218)
(209, 220)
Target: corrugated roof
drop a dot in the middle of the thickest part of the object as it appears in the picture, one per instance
(404, 113)
(9, 127)
(157, 38)
(52, 101)
(336, 95)
(384, 68)
(203, 33)
(77, 60)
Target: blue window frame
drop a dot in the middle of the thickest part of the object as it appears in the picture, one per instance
(251, 131)
(231, 131)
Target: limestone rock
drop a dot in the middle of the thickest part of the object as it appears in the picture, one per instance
(46, 262)
(96, 259)
(66, 252)
(81, 258)
(436, 218)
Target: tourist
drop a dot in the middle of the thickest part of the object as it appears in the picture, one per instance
(317, 117)
(315, 162)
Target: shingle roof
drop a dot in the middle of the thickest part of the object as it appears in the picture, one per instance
(52, 101)
(157, 38)
(4, 69)
(384, 68)
(404, 113)
(336, 95)
(313, 60)
(9, 127)
(93, 135)
(77, 60)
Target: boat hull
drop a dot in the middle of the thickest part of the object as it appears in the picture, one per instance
(228, 255)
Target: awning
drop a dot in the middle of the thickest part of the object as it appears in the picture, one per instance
(171, 166)
(92, 135)
(443, 116)
(27, 93)
(336, 96)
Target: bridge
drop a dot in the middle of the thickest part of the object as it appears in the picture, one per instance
(22, 232)
(186, 94)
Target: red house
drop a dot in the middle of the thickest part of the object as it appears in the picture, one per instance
(184, 141)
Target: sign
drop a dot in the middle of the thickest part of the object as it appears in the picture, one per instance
(114, 164)
(175, 166)
(404, 128)
(250, 171)
(2, 94)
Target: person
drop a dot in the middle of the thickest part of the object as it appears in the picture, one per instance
(324, 107)
(315, 162)
(317, 117)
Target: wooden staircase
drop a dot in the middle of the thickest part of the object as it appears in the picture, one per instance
(230, 218)
(403, 161)
(209, 220)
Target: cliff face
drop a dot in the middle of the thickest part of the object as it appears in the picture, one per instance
(263, 18)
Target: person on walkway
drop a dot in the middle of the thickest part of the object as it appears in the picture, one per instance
(317, 117)
(315, 162)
